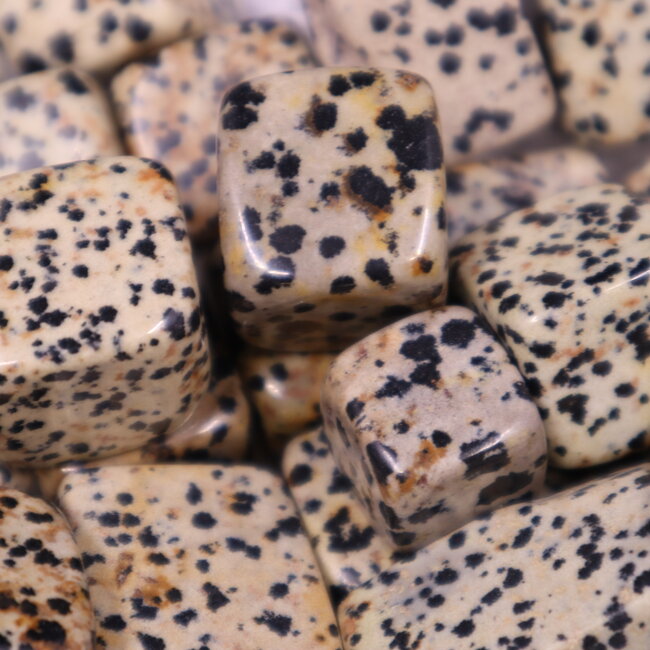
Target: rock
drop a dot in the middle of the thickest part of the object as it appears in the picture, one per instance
(480, 57)
(433, 424)
(104, 347)
(570, 571)
(285, 389)
(167, 106)
(565, 284)
(54, 117)
(43, 595)
(331, 198)
(181, 556)
(480, 192)
(599, 52)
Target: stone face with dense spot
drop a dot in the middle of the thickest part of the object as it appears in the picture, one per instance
(103, 343)
(480, 57)
(564, 573)
(566, 285)
(331, 197)
(195, 556)
(43, 598)
(433, 424)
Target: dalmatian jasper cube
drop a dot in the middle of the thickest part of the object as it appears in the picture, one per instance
(103, 346)
(600, 53)
(566, 285)
(285, 389)
(480, 57)
(95, 35)
(200, 556)
(480, 192)
(54, 117)
(331, 205)
(43, 596)
(571, 571)
(638, 181)
(433, 424)
(348, 548)
(167, 106)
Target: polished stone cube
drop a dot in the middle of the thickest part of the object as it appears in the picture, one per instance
(331, 197)
(480, 56)
(566, 285)
(197, 556)
(102, 344)
(433, 424)
(167, 106)
(54, 117)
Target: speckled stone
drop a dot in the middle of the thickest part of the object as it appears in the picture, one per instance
(54, 117)
(566, 285)
(422, 465)
(331, 198)
(638, 181)
(348, 548)
(43, 598)
(167, 106)
(103, 342)
(480, 57)
(96, 35)
(565, 573)
(480, 192)
(180, 557)
(285, 389)
(600, 54)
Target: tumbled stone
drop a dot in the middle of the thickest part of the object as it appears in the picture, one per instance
(480, 192)
(331, 198)
(54, 117)
(599, 52)
(480, 57)
(95, 35)
(43, 597)
(433, 424)
(209, 556)
(571, 571)
(167, 106)
(285, 390)
(566, 286)
(348, 548)
(638, 181)
(104, 347)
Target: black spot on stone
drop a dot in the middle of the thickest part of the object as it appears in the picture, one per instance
(458, 333)
(62, 48)
(363, 79)
(323, 117)
(138, 30)
(484, 455)
(380, 21)
(252, 220)
(382, 459)
(281, 273)
(378, 271)
(370, 188)
(329, 191)
(354, 409)
(440, 438)
(575, 406)
(288, 239)
(504, 486)
(277, 623)
(300, 474)
(339, 85)
(343, 284)
(393, 387)
(450, 63)
(203, 520)
(356, 140)
(289, 165)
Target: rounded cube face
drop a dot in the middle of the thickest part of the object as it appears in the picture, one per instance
(433, 424)
(101, 338)
(600, 53)
(167, 106)
(566, 285)
(331, 205)
(54, 117)
(480, 57)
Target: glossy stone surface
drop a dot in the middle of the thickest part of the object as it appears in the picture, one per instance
(422, 464)
(639, 181)
(331, 197)
(102, 344)
(42, 586)
(54, 117)
(95, 35)
(600, 53)
(480, 57)
(209, 556)
(167, 106)
(285, 389)
(480, 192)
(566, 285)
(348, 548)
(568, 572)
